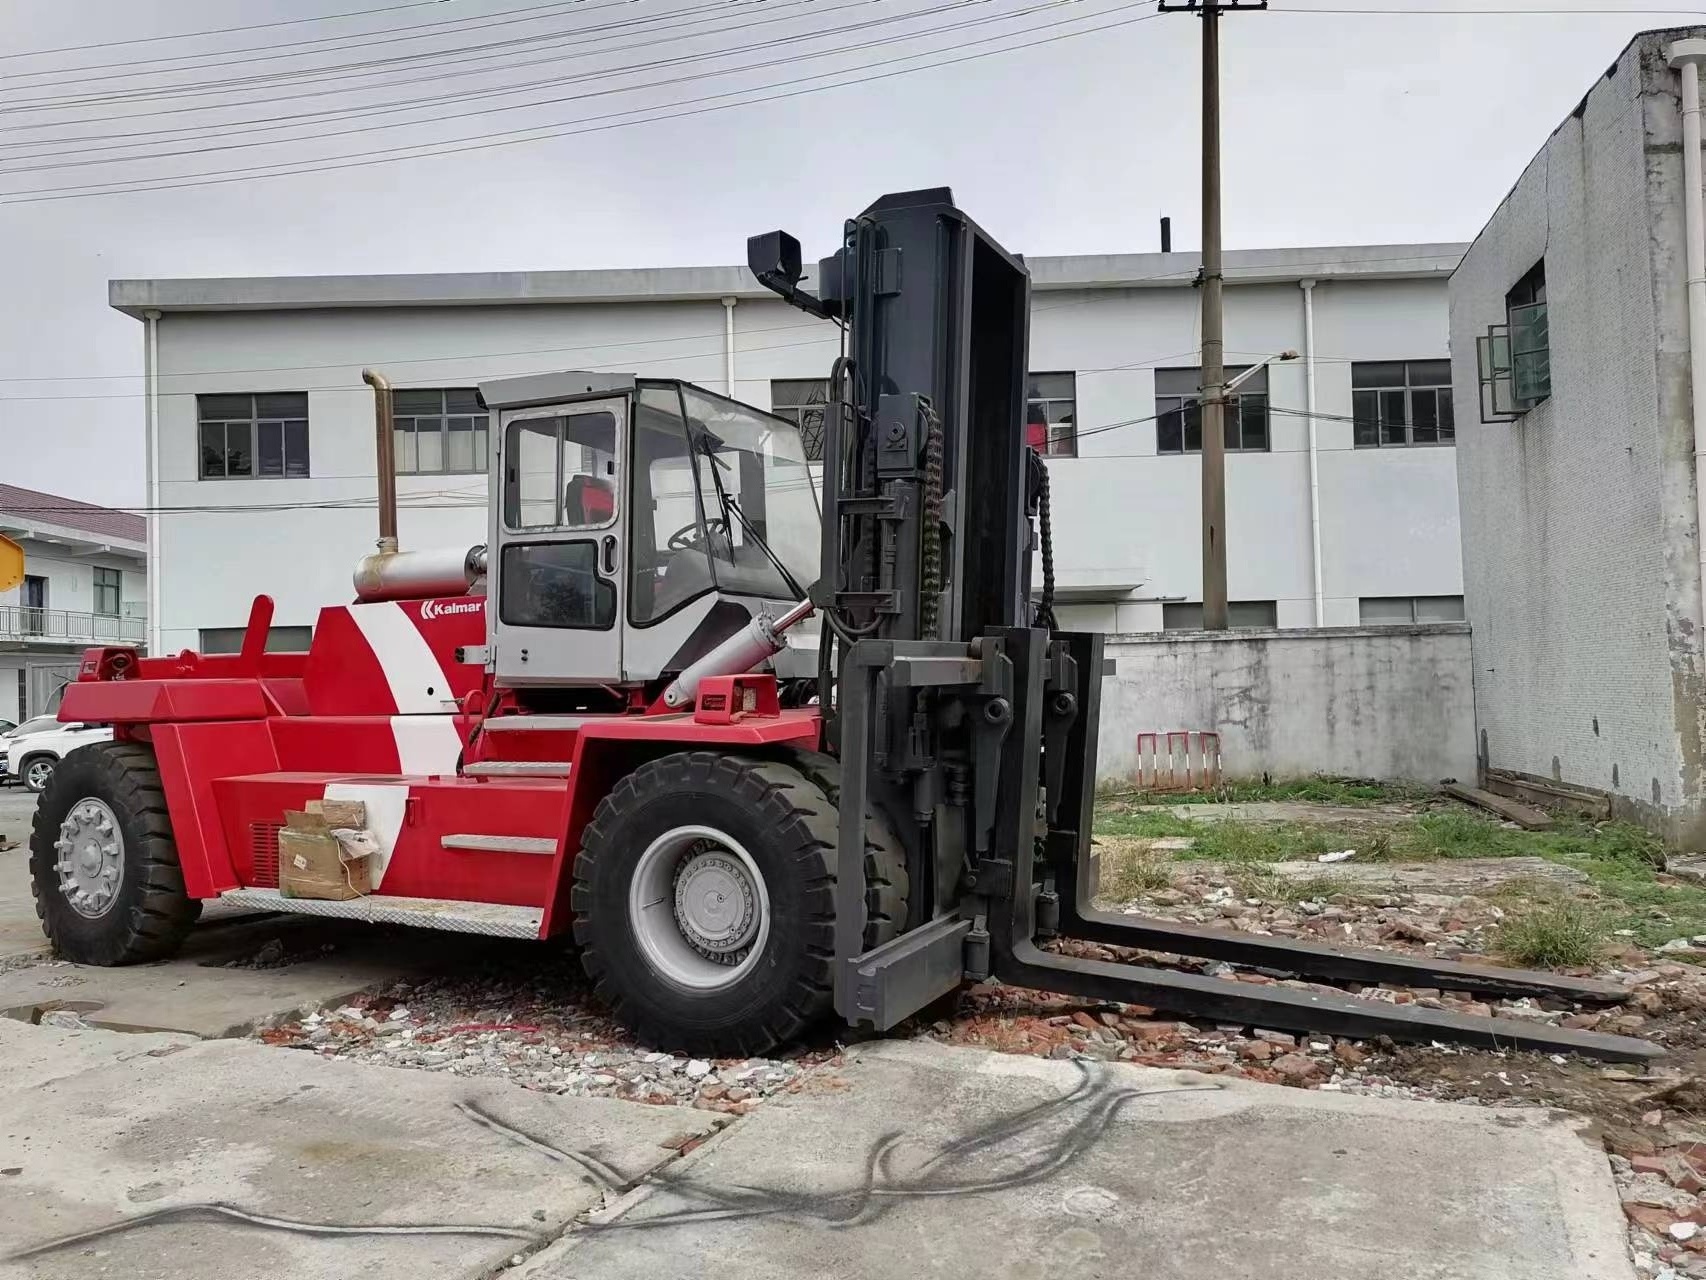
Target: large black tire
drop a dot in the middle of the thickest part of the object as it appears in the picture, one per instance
(787, 826)
(148, 912)
(887, 883)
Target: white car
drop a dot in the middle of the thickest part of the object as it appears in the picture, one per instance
(34, 748)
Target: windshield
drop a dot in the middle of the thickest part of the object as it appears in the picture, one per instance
(41, 724)
(756, 491)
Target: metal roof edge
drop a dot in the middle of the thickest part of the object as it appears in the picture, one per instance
(687, 284)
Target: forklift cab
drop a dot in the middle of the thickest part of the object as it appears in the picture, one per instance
(635, 523)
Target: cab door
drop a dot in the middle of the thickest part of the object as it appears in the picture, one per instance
(558, 542)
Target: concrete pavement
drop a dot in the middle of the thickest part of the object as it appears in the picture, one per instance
(154, 1157)
(951, 1162)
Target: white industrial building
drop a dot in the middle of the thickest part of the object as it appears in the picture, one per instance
(261, 454)
(85, 583)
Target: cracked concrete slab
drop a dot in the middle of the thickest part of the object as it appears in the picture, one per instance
(193, 1160)
(960, 1163)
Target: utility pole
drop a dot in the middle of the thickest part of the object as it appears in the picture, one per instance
(1213, 346)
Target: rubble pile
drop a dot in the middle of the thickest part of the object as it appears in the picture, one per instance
(534, 1039)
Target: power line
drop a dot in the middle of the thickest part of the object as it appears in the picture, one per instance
(482, 142)
(221, 31)
(275, 53)
(437, 76)
(202, 88)
(603, 73)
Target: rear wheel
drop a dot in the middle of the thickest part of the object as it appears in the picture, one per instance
(704, 902)
(103, 867)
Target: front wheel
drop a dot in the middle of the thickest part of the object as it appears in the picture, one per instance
(704, 902)
(36, 771)
(103, 867)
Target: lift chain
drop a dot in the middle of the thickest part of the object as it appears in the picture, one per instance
(930, 574)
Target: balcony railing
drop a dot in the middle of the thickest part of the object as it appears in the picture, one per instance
(66, 626)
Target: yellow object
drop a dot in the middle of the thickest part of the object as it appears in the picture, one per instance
(11, 563)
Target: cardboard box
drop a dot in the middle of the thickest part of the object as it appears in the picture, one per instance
(312, 862)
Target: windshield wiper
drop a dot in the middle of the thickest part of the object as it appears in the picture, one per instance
(792, 582)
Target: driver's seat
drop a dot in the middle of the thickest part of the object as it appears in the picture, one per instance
(588, 501)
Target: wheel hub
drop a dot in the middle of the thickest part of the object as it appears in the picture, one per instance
(699, 908)
(715, 904)
(91, 857)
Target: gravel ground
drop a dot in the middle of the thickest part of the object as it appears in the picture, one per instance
(539, 1028)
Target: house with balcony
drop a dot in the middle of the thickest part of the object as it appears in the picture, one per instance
(85, 583)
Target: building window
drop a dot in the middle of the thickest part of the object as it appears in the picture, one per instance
(1404, 611)
(802, 401)
(1514, 359)
(1051, 414)
(1402, 402)
(107, 591)
(1240, 614)
(279, 639)
(249, 436)
(1178, 412)
(439, 432)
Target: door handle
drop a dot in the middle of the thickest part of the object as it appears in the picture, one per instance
(609, 554)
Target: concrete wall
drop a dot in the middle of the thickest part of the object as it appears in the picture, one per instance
(1380, 702)
(1124, 515)
(1582, 577)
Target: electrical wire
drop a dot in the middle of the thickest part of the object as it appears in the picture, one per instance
(436, 77)
(483, 142)
(604, 73)
(143, 92)
(222, 31)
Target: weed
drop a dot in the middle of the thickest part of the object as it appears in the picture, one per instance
(1346, 792)
(1130, 876)
(1258, 882)
(1150, 824)
(1314, 888)
(1561, 933)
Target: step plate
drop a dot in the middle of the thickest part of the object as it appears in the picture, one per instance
(493, 919)
(501, 844)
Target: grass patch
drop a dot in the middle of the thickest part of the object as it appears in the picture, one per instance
(1562, 933)
(1132, 875)
(1347, 792)
(1148, 825)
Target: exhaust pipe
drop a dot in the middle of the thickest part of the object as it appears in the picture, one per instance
(385, 444)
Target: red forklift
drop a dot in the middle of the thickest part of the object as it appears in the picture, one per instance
(612, 720)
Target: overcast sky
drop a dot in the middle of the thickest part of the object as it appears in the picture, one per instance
(1339, 129)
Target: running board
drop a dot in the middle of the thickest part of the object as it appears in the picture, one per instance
(1310, 1012)
(490, 918)
(1330, 962)
(517, 769)
(501, 844)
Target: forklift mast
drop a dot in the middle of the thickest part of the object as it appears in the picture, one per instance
(955, 715)
(964, 721)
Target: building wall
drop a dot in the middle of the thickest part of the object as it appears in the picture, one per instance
(1581, 565)
(33, 669)
(71, 579)
(1382, 702)
(1124, 516)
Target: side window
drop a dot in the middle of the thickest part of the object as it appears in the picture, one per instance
(560, 472)
(555, 584)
